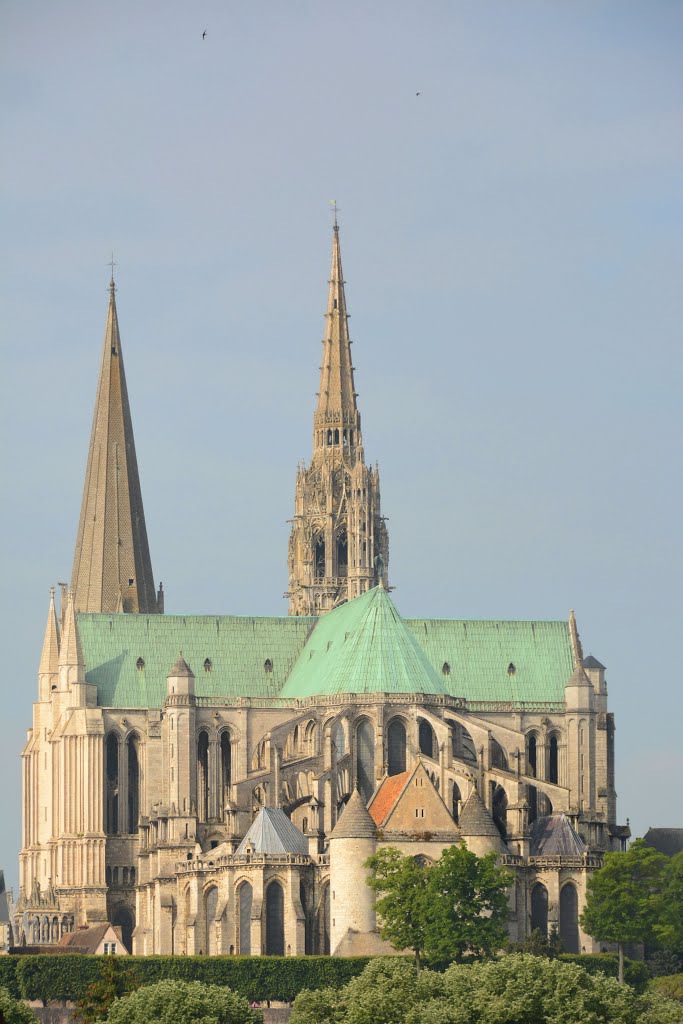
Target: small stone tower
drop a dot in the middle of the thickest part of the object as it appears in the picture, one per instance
(339, 546)
(112, 570)
(352, 841)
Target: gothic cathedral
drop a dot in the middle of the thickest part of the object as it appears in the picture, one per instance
(214, 784)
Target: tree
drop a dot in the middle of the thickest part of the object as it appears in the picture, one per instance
(466, 905)
(183, 1002)
(446, 911)
(669, 928)
(116, 980)
(402, 887)
(14, 1012)
(624, 900)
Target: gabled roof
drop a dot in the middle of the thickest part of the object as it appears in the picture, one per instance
(273, 832)
(555, 836)
(362, 646)
(87, 939)
(386, 797)
(666, 840)
(355, 821)
(475, 820)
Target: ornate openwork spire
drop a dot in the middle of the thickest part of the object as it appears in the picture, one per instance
(112, 568)
(337, 420)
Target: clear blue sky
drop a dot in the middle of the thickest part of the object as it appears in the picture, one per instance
(513, 255)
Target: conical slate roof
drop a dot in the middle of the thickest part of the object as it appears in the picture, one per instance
(273, 832)
(355, 821)
(181, 669)
(475, 820)
(362, 646)
(49, 658)
(554, 835)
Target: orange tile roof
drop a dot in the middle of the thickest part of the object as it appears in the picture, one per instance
(387, 796)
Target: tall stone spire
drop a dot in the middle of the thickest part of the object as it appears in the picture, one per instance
(112, 568)
(339, 547)
(337, 410)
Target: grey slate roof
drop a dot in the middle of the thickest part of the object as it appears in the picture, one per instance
(591, 662)
(4, 907)
(554, 835)
(273, 832)
(355, 821)
(181, 669)
(665, 840)
(475, 820)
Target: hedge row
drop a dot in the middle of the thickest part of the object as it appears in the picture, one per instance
(670, 985)
(8, 975)
(636, 973)
(66, 977)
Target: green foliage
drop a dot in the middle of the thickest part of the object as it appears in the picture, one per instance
(8, 975)
(624, 897)
(447, 911)
(636, 973)
(67, 976)
(668, 929)
(13, 1012)
(401, 884)
(467, 905)
(183, 1002)
(670, 986)
(382, 994)
(664, 961)
(517, 989)
(116, 980)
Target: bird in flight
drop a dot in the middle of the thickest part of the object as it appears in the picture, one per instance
(204, 34)
(418, 94)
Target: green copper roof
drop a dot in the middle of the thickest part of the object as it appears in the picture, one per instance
(477, 660)
(500, 661)
(362, 647)
(247, 657)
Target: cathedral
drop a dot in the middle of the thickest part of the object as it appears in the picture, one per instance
(215, 784)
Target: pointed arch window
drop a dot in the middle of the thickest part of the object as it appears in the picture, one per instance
(427, 739)
(569, 918)
(210, 907)
(203, 776)
(553, 760)
(246, 895)
(112, 783)
(275, 920)
(396, 747)
(319, 557)
(539, 909)
(133, 757)
(456, 803)
(342, 553)
(226, 769)
(365, 759)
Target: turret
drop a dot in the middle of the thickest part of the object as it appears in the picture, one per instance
(352, 841)
(180, 709)
(478, 827)
(48, 670)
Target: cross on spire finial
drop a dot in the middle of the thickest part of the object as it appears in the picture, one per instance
(112, 264)
(335, 211)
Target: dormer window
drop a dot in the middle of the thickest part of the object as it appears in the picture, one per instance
(445, 669)
(208, 665)
(140, 664)
(267, 665)
(511, 669)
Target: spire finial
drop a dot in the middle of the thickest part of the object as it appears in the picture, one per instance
(335, 211)
(112, 263)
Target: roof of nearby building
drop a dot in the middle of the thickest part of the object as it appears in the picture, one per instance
(665, 840)
(4, 906)
(253, 657)
(272, 832)
(88, 938)
(355, 821)
(475, 820)
(362, 646)
(554, 835)
(354, 943)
